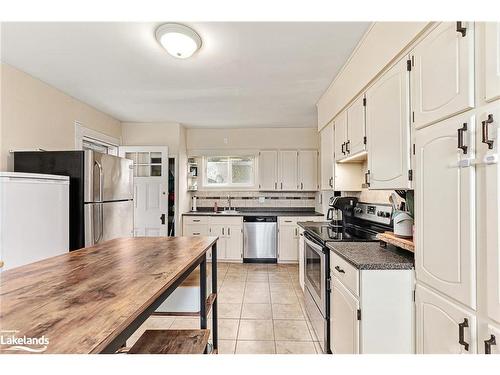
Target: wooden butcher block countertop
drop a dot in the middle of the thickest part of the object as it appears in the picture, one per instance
(82, 300)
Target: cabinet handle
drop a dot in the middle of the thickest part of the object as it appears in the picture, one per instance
(489, 142)
(301, 186)
(339, 270)
(367, 178)
(330, 182)
(275, 186)
(282, 186)
(487, 344)
(343, 145)
(222, 231)
(461, 329)
(228, 231)
(196, 221)
(348, 149)
(461, 138)
(461, 29)
(196, 234)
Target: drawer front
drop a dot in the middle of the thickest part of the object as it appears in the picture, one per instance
(195, 230)
(195, 219)
(288, 220)
(345, 273)
(312, 218)
(218, 220)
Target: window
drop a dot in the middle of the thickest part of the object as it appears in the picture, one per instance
(229, 171)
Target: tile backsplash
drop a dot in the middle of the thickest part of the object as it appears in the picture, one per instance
(240, 199)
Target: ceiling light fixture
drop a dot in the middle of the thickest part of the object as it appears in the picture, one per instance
(179, 40)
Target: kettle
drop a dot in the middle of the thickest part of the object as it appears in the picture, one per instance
(403, 224)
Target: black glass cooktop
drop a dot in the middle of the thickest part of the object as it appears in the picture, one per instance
(350, 233)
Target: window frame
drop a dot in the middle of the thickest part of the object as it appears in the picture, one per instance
(229, 185)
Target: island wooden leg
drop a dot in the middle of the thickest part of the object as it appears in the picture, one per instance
(214, 292)
(203, 294)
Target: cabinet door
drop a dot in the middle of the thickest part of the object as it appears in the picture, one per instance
(327, 157)
(388, 129)
(344, 323)
(488, 221)
(288, 243)
(356, 127)
(492, 60)
(488, 338)
(340, 129)
(308, 170)
(220, 231)
(443, 74)
(234, 243)
(438, 325)
(445, 209)
(288, 170)
(268, 170)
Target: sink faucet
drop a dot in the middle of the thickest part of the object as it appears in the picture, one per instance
(229, 202)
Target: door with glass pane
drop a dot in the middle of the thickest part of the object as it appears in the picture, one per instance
(150, 189)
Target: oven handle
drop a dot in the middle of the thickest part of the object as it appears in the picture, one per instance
(317, 247)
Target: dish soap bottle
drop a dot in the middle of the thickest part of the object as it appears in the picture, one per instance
(215, 207)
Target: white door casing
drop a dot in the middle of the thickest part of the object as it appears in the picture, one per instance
(150, 189)
(445, 209)
(388, 129)
(443, 74)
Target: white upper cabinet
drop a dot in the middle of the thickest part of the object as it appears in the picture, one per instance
(388, 129)
(442, 326)
(268, 170)
(340, 136)
(492, 60)
(356, 127)
(443, 73)
(327, 157)
(308, 170)
(445, 208)
(288, 170)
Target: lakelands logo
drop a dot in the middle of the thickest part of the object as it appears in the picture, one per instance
(9, 341)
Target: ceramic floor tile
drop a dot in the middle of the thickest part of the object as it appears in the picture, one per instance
(291, 330)
(254, 287)
(279, 278)
(284, 297)
(231, 296)
(256, 330)
(226, 346)
(229, 310)
(257, 297)
(256, 311)
(259, 278)
(295, 347)
(235, 278)
(228, 328)
(284, 311)
(255, 347)
(186, 323)
(281, 287)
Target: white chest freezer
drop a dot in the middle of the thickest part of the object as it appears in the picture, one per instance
(34, 217)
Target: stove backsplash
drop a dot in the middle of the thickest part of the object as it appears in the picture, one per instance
(240, 199)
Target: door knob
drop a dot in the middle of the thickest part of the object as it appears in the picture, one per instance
(162, 218)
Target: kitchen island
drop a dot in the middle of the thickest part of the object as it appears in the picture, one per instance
(91, 300)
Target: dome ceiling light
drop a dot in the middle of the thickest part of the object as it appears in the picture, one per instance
(178, 40)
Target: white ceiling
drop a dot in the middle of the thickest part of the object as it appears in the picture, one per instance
(245, 74)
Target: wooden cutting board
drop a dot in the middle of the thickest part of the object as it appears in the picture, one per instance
(391, 238)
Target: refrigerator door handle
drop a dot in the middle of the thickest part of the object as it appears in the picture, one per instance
(100, 220)
(100, 179)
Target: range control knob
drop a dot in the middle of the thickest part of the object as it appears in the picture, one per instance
(358, 210)
(379, 213)
(386, 214)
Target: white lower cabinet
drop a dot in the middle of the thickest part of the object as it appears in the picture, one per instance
(228, 229)
(288, 238)
(380, 320)
(488, 338)
(443, 327)
(344, 323)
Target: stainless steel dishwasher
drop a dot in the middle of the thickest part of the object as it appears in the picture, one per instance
(260, 239)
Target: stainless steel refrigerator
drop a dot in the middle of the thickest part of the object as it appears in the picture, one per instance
(101, 191)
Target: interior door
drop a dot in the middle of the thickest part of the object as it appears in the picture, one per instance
(268, 170)
(492, 60)
(443, 73)
(440, 323)
(150, 189)
(344, 323)
(340, 135)
(356, 127)
(388, 129)
(288, 170)
(308, 170)
(327, 157)
(445, 209)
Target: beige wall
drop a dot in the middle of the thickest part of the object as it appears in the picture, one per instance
(37, 115)
(383, 42)
(152, 134)
(251, 138)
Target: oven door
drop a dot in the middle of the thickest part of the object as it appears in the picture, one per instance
(315, 273)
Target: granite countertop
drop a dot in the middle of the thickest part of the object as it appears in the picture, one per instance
(260, 212)
(370, 256)
(312, 224)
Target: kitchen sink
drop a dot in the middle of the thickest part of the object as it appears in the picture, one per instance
(228, 212)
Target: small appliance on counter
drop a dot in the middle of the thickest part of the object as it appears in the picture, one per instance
(194, 207)
(403, 224)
